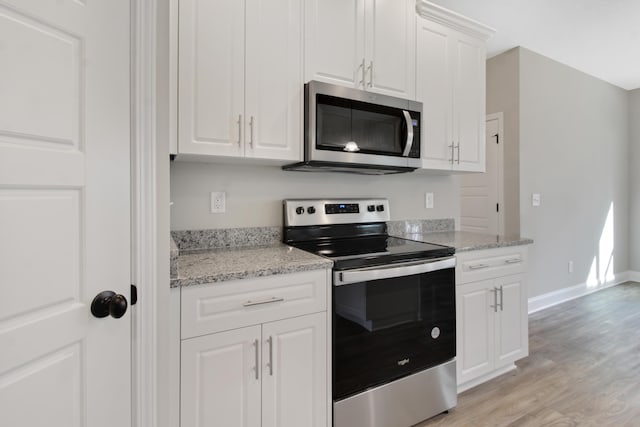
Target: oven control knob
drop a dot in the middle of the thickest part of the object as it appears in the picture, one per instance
(371, 208)
(380, 208)
(299, 210)
(311, 210)
(435, 332)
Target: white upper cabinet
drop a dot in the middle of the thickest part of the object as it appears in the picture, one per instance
(364, 44)
(240, 87)
(450, 64)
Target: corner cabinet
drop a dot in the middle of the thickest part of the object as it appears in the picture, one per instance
(491, 313)
(450, 64)
(254, 352)
(364, 44)
(240, 88)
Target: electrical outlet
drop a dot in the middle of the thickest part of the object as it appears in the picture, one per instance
(535, 199)
(428, 200)
(218, 202)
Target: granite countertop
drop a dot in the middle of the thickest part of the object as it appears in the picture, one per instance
(217, 255)
(196, 267)
(468, 241)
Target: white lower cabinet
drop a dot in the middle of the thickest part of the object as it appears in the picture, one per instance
(218, 380)
(266, 367)
(491, 314)
(270, 375)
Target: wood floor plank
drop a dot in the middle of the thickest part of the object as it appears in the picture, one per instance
(583, 370)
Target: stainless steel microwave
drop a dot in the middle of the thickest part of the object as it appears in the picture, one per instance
(351, 130)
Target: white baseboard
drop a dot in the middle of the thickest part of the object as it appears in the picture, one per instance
(556, 297)
(634, 276)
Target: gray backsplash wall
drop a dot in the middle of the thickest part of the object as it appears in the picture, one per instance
(254, 194)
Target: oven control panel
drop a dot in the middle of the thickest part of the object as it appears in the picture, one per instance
(341, 208)
(301, 212)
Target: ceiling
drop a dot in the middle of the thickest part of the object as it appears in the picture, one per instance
(598, 37)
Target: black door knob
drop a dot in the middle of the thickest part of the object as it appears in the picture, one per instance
(109, 303)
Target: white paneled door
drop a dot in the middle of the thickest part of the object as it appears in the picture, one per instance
(64, 212)
(481, 194)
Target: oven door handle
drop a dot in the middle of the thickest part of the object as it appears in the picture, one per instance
(396, 270)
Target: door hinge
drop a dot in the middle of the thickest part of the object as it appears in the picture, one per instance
(497, 135)
(134, 294)
(497, 207)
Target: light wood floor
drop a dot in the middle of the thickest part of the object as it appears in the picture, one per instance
(583, 369)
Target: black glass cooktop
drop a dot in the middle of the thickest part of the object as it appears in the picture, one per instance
(372, 250)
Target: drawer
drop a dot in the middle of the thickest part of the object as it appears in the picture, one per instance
(223, 306)
(490, 263)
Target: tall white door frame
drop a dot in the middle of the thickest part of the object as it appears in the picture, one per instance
(150, 213)
(481, 194)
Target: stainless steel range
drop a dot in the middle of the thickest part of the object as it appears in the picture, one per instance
(394, 339)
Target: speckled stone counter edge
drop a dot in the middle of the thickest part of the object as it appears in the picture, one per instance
(235, 275)
(174, 252)
(503, 244)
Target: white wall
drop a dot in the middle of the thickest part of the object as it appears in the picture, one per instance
(255, 193)
(503, 95)
(634, 177)
(574, 139)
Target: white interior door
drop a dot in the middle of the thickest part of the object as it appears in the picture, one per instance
(64, 212)
(481, 194)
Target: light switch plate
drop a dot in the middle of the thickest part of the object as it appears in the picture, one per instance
(535, 199)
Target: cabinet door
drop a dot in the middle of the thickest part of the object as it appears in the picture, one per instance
(211, 77)
(390, 49)
(469, 104)
(274, 86)
(221, 379)
(434, 90)
(334, 42)
(475, 329)
(512, 336)
(294, 377)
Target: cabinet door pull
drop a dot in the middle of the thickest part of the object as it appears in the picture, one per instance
(266, 301)
(270, 355)
(251, 132)
(370, 84)
(362, 82)
(458, 148)
(255, 344)
(452, 157)
(495, 299)
(501, 299)
(239, 128)
(477, 266)
(512, 261)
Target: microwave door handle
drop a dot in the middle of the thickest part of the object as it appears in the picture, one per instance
(407, 269)
(409, 142)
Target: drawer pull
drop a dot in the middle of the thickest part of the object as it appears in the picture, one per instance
(513, 261)
(266, 301)
(478, 266)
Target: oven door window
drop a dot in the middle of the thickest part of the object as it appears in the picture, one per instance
(386, 329)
